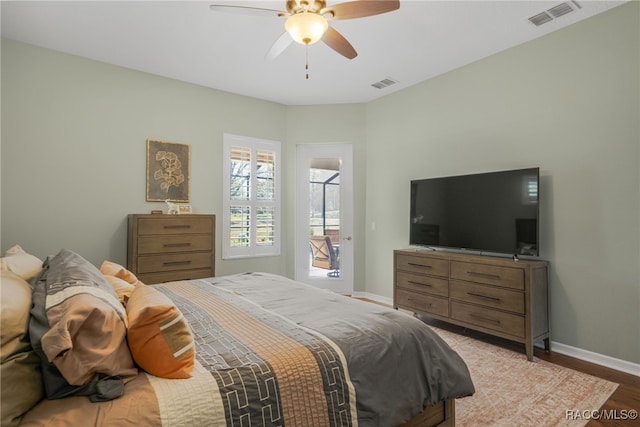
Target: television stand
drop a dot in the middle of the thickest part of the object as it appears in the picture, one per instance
(503, 297)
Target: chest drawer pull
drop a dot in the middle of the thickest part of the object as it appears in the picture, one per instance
(174, 226)
(483, 296)
(488, 276)
(176, 245)
(413, 264)
(486, 319)
(169, 263)
(428, 285)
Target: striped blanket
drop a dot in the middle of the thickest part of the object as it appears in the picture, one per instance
(268, 370)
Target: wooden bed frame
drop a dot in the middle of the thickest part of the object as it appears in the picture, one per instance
(441, 414)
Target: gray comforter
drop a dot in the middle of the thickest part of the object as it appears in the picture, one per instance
(396, 363)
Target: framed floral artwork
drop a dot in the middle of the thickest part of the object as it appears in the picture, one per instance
(168, 171)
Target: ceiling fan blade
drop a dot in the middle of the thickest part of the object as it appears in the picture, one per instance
(279, 46)
(362, 8)
(246, 10)
(337, 42)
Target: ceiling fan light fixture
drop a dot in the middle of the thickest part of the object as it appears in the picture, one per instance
(306, 27)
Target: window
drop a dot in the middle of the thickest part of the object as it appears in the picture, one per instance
(251, 217)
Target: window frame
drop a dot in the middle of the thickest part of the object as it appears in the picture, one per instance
(253, 250)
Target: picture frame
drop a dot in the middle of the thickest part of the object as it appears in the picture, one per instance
(184, 208)
(168, 171)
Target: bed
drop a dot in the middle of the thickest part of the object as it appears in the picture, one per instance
(252, 349)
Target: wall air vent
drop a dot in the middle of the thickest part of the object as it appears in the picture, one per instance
(384, 83)
(555, 12)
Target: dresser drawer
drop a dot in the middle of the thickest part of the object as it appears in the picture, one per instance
(489, 274)
(175, 224)
(422, 302)
(488, 296)
(174, 243)
(419, 283)
(500, 321)
(423, 265)
(181, 261)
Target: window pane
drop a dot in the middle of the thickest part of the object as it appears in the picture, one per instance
(265, 226)
(324, 200)
(265, 175)
(240, 226)
(240, 173)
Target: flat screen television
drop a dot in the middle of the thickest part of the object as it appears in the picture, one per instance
(494, 212)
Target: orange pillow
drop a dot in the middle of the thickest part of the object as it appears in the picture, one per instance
(123, 289)
(109, 268)
(159, 336)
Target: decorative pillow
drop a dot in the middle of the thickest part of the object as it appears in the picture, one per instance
(123, 289)
(78, 329)
(159, 336)
(20, 369)
(25, 265)
(109, 268)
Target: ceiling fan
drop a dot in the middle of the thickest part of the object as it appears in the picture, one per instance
(307, 21)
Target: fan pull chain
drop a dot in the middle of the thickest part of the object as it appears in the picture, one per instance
(306, 66)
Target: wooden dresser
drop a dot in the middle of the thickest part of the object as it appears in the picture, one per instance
(497, 296)
(162, 248)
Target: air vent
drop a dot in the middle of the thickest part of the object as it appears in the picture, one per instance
(541, 18)
(384, 83)
(554, 12)
(561, 9)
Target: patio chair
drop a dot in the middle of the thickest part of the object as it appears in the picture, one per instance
(324, 255)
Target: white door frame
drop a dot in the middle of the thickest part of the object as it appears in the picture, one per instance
(304, 154)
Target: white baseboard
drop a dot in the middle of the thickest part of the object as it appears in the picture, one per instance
(557, 347)
(597, 358)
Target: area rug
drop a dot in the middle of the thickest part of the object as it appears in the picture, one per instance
(511, 391)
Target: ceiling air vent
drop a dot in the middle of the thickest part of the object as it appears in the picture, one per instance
(555, 12)
(561, 9)
(541, 18)
(384, 83)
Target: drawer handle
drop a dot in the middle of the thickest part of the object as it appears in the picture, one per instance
(176, 245)
(484, 296)
(486, 319)
(488, 276)
(177, 226)
(421, 284)
(413, 264)
(166, 264)
(429, 305)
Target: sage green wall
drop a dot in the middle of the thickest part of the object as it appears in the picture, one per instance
(568, 103)
(73, 150)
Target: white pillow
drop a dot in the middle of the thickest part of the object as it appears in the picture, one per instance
(16, 260)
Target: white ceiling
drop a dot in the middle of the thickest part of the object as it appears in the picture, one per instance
(187, 41)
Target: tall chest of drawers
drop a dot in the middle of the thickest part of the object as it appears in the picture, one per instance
(162, 248)
(497, 296)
